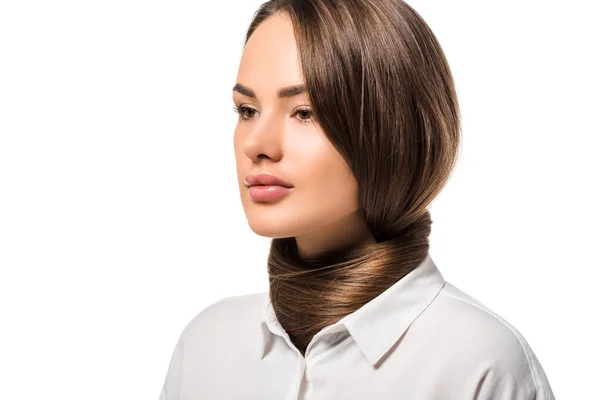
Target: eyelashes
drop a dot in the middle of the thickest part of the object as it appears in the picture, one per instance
(242, 110)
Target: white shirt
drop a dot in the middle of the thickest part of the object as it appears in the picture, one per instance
(421, 339)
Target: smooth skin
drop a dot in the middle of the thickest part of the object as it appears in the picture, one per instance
(282, 137)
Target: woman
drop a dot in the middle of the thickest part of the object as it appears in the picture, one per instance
(348, 129)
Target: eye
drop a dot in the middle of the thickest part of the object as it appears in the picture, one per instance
(242, 110)
(304, 112)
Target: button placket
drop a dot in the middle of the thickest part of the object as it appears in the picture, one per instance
(295, 392)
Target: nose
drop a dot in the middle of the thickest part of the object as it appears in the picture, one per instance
(263, 137)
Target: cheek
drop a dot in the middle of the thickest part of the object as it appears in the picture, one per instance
(236, 142)
(328, 177)
(240, 158)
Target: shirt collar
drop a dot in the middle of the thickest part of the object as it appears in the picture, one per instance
(378, 324)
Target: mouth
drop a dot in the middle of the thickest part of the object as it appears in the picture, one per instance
(268, 193)
(264, 179)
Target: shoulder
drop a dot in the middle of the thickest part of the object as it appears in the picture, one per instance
(212, 340)
(471, 319)
(225, 315)
(481, 338)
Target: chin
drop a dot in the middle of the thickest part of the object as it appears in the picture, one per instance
(273, 231)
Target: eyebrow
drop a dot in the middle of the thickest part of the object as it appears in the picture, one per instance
(285, 92)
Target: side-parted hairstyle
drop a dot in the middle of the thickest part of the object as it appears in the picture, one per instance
(382, 91)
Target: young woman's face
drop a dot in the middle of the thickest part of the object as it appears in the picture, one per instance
(280, 137)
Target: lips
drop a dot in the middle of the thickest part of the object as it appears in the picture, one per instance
(265, 180)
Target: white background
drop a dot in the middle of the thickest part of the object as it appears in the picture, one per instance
(120, 216)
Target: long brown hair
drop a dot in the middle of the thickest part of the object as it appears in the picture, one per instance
(381, 88)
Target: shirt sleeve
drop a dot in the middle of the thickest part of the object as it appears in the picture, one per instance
(171, 385)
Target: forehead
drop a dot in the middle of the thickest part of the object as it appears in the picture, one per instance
(270, 59)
